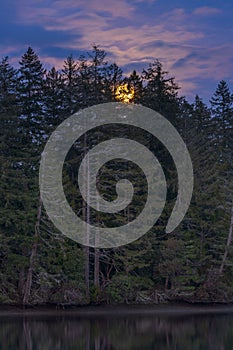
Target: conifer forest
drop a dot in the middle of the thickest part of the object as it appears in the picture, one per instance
(38, 264)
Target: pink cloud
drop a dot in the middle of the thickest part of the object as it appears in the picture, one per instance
(206, 11)
(175, 30)
(7, 50)
(187, 87)
(42, 13)
(50, 61)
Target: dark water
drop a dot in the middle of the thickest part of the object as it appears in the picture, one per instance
(116, 330)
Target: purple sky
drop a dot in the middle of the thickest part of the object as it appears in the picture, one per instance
(193, 40)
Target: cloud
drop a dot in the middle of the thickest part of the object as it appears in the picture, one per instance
(59, 9)
(203, 65)
(206, 11)
(8, 50)
(144, 1)
(51, 61)
(131, 37)
(207, 62)
(125, 44)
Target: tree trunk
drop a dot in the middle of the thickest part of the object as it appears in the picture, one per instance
(87, 271)
(21, 284)
(97, 268)
(86, 218)
(166, 282)
(229, 239)
(97, 251)
(28, 284)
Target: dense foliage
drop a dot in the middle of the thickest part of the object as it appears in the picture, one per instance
(40, 265)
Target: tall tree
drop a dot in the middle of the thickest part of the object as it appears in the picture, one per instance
(70, 78)
(135, 82)
(112, 79)
(53, 100)
(8, 78)
(222, 112)
(97, 65)
(160, 91)
(30, 94)
(84, 83)
(33, 128)
(19, 194)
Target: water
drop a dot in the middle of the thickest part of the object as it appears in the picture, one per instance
(116, 330)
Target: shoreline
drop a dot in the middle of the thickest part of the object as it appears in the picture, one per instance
(120, 310)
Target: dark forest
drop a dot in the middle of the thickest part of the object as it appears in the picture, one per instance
(39, 265)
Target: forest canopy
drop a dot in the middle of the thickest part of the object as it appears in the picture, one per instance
(37, 263)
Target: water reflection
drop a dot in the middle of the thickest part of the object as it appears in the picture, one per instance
(213, 332)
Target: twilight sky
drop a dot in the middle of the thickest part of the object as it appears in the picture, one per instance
(193, 40)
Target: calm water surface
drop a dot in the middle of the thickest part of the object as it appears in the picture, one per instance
(118, 329)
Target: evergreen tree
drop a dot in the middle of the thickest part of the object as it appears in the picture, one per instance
(97, 76)
(135, 82)
(112, 79)
(30, 95)
(32, 128)
(222, 113)
(53, 100)
(160, 91)
(19, 194)
(70, 79)
(84, 83)
(8, 76)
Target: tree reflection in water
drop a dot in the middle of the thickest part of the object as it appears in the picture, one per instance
(114, 332)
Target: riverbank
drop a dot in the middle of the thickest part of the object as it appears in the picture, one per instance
(117, 310)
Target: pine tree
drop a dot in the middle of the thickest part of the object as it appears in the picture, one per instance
(8, 76)
(19, 194)
(222, 115)
(196, 228)
(112, 79)
(222, 112)
(96, 68)
(70, 79)
(84, 83)
(208, 216)
(135, 82)
(160, 91)
(9, 143)
(30, 95)
(33, 129)
(53, 100)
